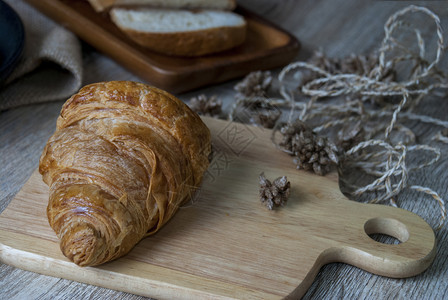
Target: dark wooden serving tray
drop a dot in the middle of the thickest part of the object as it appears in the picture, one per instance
(267, 46)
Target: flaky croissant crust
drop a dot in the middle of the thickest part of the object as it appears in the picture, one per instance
(123, 158)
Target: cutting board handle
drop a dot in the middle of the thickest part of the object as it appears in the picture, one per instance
(411, 256)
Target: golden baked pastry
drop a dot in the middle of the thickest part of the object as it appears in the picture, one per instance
(123, 158)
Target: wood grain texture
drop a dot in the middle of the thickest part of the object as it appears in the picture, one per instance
(266, 46)
(339, 27)
(225, 244)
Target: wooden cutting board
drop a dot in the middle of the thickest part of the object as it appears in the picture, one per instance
(267, 46)
(226, 244)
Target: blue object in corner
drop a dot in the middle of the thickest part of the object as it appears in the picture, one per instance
(12, 40)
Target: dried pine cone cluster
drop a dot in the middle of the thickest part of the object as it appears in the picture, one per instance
(312, 152)
(211, 107)
(274, 194)
(256, 84)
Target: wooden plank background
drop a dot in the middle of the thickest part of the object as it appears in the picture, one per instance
(339, 27)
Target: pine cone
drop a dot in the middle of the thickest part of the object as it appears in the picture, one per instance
(312, 152)
(256, 84)
(211, 107)
(274, 194)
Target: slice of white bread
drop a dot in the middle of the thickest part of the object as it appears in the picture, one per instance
(181, 32)
(101, 5)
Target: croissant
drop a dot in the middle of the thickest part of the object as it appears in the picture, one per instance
(122, 160)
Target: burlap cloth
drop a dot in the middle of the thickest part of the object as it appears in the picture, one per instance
(51, 65)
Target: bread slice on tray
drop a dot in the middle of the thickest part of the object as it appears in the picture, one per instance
(181, 32)
(101, 5)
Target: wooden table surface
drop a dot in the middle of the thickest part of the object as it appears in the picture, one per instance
(339, 27)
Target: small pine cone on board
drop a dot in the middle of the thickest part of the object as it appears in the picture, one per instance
(311, 152)
(274, 194)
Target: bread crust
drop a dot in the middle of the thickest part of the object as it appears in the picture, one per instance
(102, 5)
(190, 43)
(123, 158)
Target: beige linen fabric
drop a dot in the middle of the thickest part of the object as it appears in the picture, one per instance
(51, 64)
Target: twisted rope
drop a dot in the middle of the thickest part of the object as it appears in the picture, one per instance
(388, 165)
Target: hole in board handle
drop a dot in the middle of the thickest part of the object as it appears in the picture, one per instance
(384, 239)
(388, 227)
